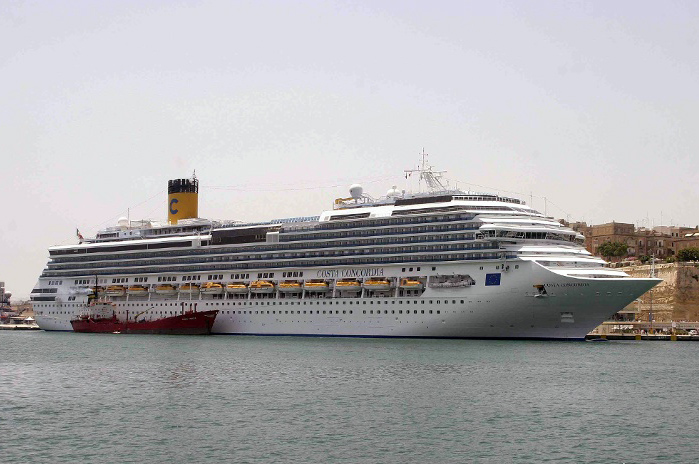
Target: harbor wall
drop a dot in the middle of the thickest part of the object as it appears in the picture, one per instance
(676, 298)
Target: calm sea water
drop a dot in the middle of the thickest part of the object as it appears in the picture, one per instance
(68, 397)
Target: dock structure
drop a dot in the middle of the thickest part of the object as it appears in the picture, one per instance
(19, 323)
(19, 327)
(638, 336)
(646, 330)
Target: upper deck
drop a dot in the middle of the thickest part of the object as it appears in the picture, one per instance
(360, 211)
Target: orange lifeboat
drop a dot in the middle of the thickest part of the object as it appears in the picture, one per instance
(165, 289)
(261, 286)
(289, 286)
(377, 285)
(189, 289)
(411, 284)
(115, 290)
(236, 288)
(316, 286)
(348, 285)
(137, 290)
(212, 288)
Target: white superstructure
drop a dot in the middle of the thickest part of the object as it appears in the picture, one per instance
(443, 263)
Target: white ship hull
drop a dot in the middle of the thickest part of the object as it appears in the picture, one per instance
(570, 308)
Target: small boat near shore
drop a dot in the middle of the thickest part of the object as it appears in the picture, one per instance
(101, 317)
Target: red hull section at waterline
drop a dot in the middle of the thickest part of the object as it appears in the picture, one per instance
(188, 323)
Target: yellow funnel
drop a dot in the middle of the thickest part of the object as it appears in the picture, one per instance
(183, 199)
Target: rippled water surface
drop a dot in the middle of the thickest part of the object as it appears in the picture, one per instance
(68, 397)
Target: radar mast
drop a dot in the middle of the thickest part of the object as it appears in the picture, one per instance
(432, 178)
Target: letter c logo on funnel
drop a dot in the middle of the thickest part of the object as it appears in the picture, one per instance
(173, 210)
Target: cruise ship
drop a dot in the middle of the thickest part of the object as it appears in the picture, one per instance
(439, 263)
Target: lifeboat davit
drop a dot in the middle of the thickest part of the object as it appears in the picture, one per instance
(137, 290)
(377, 285)
(261, 286)
(289, 286)
(236, 288)
(212, 288)
(189, 289)
(165, 289)
(316, 286)
(115, 290)
(348, 285)
(410, 284)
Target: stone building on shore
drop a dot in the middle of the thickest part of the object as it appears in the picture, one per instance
(676, 298)
(661, 241)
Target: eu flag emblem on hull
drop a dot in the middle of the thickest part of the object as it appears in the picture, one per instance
(492, 279)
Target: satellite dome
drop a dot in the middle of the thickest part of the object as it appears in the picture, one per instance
(393, 192)
(123, 222)
(356, 191)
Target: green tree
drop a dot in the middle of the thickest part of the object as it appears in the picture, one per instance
(644, 259)
(613, 249)
(688, 254)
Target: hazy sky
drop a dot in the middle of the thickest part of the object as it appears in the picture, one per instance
(281, 105)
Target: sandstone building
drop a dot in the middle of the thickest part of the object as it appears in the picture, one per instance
(661, 241)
